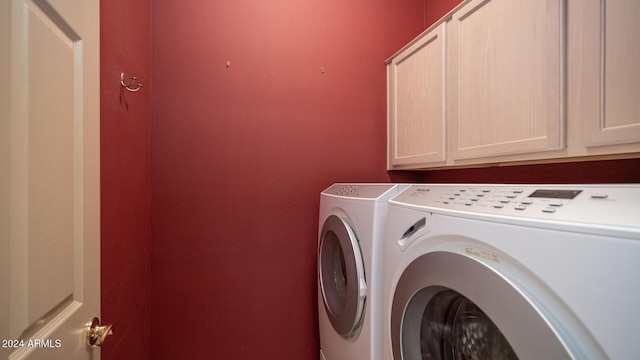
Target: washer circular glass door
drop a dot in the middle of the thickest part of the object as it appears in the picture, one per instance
(447, 305)
(342, 278)
(453, 327)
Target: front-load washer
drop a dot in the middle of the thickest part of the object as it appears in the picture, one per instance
(350, 259)
(513, 271)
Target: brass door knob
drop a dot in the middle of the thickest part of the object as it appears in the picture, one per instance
(97, 333)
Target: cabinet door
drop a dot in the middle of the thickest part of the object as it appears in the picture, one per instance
(611, 73)
(416, 113)
(506, 77)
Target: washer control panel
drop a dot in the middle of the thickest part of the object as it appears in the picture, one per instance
(617, 205)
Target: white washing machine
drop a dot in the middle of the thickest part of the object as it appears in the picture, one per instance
(350, 259)
(510, 271)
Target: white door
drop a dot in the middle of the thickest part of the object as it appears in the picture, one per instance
(49, 177)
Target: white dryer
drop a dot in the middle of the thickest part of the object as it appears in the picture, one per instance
(350, 259)
(511, 271)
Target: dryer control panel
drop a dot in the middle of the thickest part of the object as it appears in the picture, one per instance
(366, 191)
(612, 205)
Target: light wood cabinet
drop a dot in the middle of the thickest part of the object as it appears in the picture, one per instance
(506, 77)
(416, 93)
(610, 39)
(526, 81)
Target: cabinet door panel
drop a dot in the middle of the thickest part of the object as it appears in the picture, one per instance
(506, 72)
(613, 103)
(417, 102)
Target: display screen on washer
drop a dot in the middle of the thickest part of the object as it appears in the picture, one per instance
(555, 194)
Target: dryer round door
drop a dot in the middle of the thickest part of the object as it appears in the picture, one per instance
(342, 278)
(449, 305)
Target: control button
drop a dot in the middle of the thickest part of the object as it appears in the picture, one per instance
(518, 191)
(526, 202)
(555, 204)
(505, 201)
(599, 196)
(511, 196)
(518, 207)
(549, 210)
(498, 206)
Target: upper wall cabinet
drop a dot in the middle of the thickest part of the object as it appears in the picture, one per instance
(416, 93)
(506, 77)
(611, 71)
(503, 81)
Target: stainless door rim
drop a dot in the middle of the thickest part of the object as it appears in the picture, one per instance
(529, 325)
(345, 314)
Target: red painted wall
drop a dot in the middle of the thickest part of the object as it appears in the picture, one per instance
(241, 153)
(126, 179)
(436, 9)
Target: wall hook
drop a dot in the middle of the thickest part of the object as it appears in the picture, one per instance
(128, 87)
